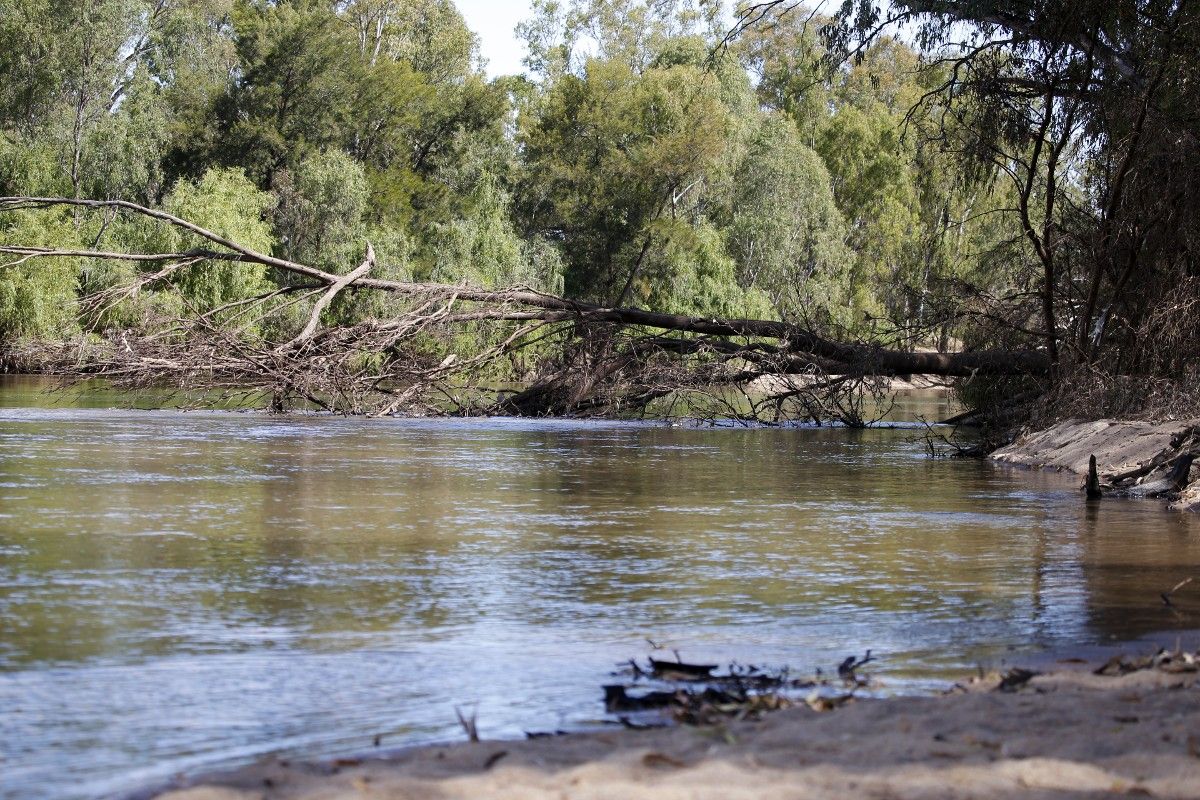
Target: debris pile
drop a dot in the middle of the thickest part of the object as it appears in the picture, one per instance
(1170, 661)
(662, 693)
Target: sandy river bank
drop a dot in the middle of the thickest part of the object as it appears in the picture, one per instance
(1069, 733)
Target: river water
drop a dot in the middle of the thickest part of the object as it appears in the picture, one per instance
(187, 591)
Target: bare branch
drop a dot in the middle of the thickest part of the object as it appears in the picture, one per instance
(319, 308)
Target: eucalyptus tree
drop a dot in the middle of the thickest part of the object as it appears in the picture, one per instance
(787, 233)
(1087, 109)
(630, 140)
(1098, 102)
(429, 35)
(611, 156)
(561, 37)
(87, 88)
(293, 91)
(91, 98)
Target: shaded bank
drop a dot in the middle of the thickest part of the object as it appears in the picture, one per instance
(1136, 453)
(1067, 734)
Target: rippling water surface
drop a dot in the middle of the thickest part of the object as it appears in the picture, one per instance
(187, 591)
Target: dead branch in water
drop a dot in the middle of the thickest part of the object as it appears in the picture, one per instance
(468, 724)
(573, 357)
(1166, 596)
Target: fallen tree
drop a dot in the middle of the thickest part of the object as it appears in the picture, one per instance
(585, 358)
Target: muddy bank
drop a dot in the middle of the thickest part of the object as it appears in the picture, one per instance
(1066, 734)
(1138, 451)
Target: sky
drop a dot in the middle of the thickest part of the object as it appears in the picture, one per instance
(494, 21)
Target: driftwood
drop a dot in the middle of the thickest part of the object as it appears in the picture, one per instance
(1167, 595)
(1171, 662)
(584, 357)
(1129, 476)
(676, 670)
(1172, 482)
(691, 694)
(1176, 480)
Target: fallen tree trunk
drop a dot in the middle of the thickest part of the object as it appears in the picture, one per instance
(610, 347)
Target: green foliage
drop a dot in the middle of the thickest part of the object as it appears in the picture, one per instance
(787, 61)
(483, 249)
(320, 211)
(562, 36)
(689, 271)
(640, 166)
(124, 152)
(611, 152)
(85, 81)
(30, 167)
(429, 35)
(873, 186)
(292, 95)
(37, 297)
(225, 202)
(786, 232)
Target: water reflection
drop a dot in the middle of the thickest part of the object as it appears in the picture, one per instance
(184, 590)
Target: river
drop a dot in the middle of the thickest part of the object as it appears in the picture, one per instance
(187, 591)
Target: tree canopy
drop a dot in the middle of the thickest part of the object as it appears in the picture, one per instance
(953, 174)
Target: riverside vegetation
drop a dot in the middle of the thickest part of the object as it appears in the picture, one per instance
(328, 204)
(660, 210)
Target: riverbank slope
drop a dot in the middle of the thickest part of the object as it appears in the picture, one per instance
(1067, 734)
(1121, 448)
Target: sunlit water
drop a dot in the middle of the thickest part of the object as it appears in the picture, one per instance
(189, 591)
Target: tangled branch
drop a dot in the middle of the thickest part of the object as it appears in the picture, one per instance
(570, 357)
